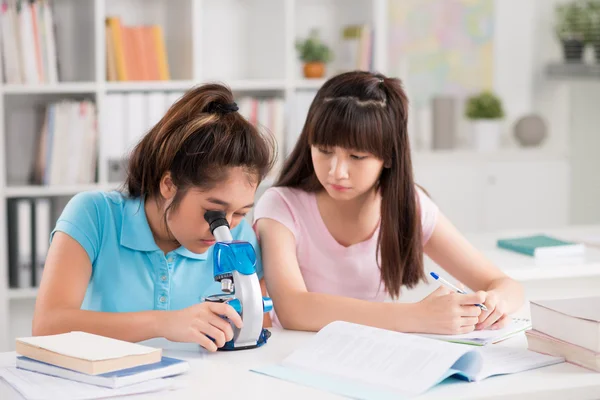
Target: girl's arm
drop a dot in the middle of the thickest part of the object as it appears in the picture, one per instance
(66, 276)
(299, 309)
(449, 249)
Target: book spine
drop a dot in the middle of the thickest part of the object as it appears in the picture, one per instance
(508, 245)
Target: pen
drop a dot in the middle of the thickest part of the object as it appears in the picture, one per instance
(451, 286)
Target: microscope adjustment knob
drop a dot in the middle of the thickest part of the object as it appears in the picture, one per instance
(227, 285)
(267, 304)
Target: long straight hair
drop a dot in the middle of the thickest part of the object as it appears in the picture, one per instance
(368, 112)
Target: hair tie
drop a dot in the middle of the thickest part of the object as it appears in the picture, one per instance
(220, 108)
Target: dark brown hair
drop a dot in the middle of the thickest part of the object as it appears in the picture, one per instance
(198, 139)
(368, 112)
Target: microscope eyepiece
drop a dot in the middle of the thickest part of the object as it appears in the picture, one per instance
(216, 219)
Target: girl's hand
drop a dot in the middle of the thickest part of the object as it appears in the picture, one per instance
(495, 317)
(194, 324)
(447, 312)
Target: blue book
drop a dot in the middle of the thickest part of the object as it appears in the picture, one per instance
(165, 368)
(542, 246)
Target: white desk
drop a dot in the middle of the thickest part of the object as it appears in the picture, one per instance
(569, 277)
(226, 375)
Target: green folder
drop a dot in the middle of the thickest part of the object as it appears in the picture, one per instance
(528, 244)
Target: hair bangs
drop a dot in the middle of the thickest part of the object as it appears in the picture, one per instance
(351, 124)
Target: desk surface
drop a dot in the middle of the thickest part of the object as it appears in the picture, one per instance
(226, 375)
(525, 268)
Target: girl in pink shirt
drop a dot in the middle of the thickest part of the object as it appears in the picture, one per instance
(345, 226)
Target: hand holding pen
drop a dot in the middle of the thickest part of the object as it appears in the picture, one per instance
(449, 311)
(452, 287)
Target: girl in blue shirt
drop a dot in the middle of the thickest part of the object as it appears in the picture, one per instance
(136, 266)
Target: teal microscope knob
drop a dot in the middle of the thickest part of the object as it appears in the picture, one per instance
(267, 304)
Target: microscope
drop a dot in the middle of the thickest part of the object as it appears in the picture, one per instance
(235, 268)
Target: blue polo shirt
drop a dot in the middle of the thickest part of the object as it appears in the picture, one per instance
(129, 271)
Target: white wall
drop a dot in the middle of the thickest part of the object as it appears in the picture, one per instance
(570, 107)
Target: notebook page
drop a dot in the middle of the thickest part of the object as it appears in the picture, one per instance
(486, 336)
(87, 346)
(34, 386)
(506, 360)
(404, 363)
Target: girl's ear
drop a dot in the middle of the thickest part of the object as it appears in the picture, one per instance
(167, 187)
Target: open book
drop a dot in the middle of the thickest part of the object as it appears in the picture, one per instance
(369, 363)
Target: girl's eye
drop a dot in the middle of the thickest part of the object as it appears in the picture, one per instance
(355, 157)
(324, 151)
(240, 215)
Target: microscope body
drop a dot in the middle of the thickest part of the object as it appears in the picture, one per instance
(235, 268)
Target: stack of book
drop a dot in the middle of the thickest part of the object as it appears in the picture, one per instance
(94, 359)
(568, 328)
(135, 53)
(28, 42)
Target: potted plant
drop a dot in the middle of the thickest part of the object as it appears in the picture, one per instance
(593, 26)
(571, 24)
(315, 54)
(485, 112)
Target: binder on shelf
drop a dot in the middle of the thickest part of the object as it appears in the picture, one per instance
(20, 243)
(43, 227)
(29, 227)
(136, 117)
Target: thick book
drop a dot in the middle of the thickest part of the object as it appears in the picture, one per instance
(487, 336)
(575, 320)
(364, 362)
(545, 344)
(87, 353)
(167, 367)
(542, 246)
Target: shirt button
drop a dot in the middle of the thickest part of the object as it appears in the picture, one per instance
(162, 299)
(170, 259)
(163, 278)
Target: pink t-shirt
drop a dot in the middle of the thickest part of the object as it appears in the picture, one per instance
(327, 266)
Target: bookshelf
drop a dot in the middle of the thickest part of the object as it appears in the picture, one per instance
(247, 44)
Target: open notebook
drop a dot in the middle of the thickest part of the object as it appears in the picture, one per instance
(485, 337)
(369, 363)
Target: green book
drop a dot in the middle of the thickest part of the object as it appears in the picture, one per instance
(542, 246)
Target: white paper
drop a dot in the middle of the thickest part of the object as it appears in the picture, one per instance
(505, 360)
(34, 386)
(87, 346)
(486, 336)
(404, 363)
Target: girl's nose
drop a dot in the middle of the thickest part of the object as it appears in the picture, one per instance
(338, 168)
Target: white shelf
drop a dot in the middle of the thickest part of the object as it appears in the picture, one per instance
(507, 154)
(43, 191)
(255, 84)
(63, 87)
(309, 84)
(26, 293)
(148, 86)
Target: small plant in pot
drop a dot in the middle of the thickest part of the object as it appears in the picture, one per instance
(315, 54)
(485, 112)
(571, 25)
(593, 26)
